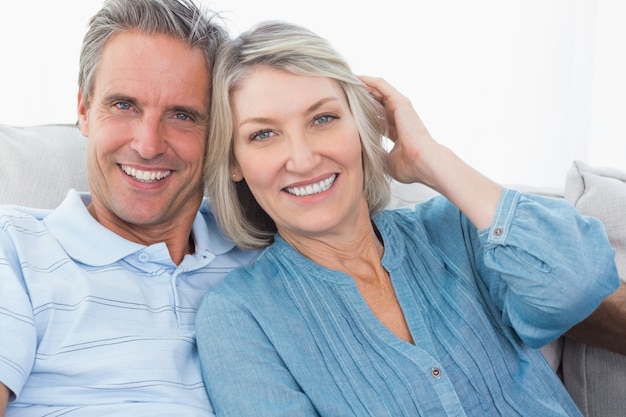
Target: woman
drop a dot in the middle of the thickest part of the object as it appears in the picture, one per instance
(356, 310)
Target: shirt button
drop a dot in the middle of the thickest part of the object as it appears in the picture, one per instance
(436, 373)
(143, 257)
(498, 231)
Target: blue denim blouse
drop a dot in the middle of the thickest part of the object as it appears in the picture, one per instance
(287, 337)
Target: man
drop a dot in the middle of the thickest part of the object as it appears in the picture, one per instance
(99, 296)
(605, 327)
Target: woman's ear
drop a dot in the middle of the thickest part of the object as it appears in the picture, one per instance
(235, 174)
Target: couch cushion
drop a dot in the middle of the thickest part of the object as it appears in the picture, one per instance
(39, 164)
(596, 378)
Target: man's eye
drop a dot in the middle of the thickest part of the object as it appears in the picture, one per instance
(182, 116)
(262, 134)
(123, 106)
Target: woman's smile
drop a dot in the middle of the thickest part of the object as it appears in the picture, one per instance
(311, 189)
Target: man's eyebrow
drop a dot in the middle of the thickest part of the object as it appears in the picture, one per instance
(114, 98)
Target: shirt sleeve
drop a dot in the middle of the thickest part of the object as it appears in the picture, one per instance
(244, 375)
(546, 266)
(18, 337)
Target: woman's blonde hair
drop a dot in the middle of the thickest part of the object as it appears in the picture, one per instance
(299, 51)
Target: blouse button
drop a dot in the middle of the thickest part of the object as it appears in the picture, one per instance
(436, 373)
(143, 257)
(498, 231)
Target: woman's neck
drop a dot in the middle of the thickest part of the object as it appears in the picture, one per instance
(352, 248)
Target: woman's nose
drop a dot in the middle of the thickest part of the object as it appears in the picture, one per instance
(303, 156)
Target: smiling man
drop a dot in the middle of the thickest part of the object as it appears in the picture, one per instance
(147, 119)
(99, 296)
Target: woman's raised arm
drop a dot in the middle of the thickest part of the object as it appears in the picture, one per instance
(417, 157)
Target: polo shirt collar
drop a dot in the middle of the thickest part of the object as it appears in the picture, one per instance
(87, 241)
(82, 237)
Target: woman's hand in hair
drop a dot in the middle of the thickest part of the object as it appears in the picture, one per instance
(417, 157)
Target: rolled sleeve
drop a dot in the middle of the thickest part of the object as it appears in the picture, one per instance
(548, 266)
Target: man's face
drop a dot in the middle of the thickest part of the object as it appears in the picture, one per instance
(147, 123)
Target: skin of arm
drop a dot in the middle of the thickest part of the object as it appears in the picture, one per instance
(4, 399)
(605, 327)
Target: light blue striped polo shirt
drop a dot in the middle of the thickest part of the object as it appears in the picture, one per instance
(93, 324)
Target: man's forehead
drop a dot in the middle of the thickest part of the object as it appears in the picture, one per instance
(135, 64)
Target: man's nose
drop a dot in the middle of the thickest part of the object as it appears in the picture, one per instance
(148, 137)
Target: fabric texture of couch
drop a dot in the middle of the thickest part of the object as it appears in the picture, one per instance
(39, 164)
(596, 378)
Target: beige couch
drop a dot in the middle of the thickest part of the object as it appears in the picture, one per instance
(38, 164)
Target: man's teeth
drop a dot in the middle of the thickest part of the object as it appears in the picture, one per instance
(313, 188)
(145, 176)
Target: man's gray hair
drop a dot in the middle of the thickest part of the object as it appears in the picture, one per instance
(181, 19)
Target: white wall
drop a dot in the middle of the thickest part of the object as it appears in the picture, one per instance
(519, 88)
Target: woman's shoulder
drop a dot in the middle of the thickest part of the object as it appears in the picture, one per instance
(432, 213)
(256, 277)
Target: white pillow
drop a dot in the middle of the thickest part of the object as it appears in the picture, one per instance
(39, 164)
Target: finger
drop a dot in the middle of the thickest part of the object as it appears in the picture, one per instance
(370, 85)
(380, 85)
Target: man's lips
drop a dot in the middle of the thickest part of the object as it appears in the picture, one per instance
(145, 176)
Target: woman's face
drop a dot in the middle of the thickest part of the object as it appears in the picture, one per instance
(298, 147)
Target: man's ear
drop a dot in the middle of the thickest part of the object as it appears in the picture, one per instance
(83, 115)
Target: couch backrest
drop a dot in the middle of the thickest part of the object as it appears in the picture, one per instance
(39, 164)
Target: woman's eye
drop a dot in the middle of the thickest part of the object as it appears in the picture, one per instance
(324, 118)
(261, 135)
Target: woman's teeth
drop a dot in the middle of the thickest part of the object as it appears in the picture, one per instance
(313, 188)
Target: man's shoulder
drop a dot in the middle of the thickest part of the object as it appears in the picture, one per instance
(10, 212)
(20, 225)
(21, 214)
(31, 221)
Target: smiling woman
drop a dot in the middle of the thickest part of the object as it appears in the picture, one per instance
(530, 85)
(294, 133)
(354, 309)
